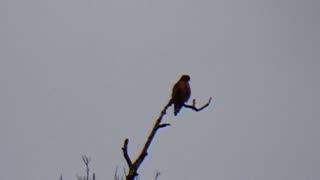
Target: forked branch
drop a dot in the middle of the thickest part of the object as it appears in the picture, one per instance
(134, 166)
(193, 106)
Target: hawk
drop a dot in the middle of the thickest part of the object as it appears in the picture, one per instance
(180, 93)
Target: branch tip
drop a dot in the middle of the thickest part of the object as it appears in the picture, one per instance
(164, 125)
(125, 152)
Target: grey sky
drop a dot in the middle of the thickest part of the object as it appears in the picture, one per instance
(77, 77)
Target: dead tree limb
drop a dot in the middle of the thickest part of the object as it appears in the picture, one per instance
(193, 106)
(134, 166)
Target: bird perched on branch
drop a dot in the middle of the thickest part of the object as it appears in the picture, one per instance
(180, 93)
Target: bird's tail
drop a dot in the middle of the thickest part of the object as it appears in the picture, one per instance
(177, 109)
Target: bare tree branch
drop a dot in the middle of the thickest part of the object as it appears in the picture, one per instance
(125, 152)
(133, 167)
(157, 175)
(86, 161)
(193, 106)
(163, 125)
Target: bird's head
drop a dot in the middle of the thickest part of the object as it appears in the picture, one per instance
(185, 77)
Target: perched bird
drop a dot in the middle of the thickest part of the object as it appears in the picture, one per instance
(180, 93)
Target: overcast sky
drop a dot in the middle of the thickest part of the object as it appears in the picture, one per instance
(78, 77)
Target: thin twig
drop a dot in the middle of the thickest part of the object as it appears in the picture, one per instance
(164, 125)
(157, 175)
(86, 161)
(193, 106)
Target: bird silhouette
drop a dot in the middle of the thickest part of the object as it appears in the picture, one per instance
(180, 93)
